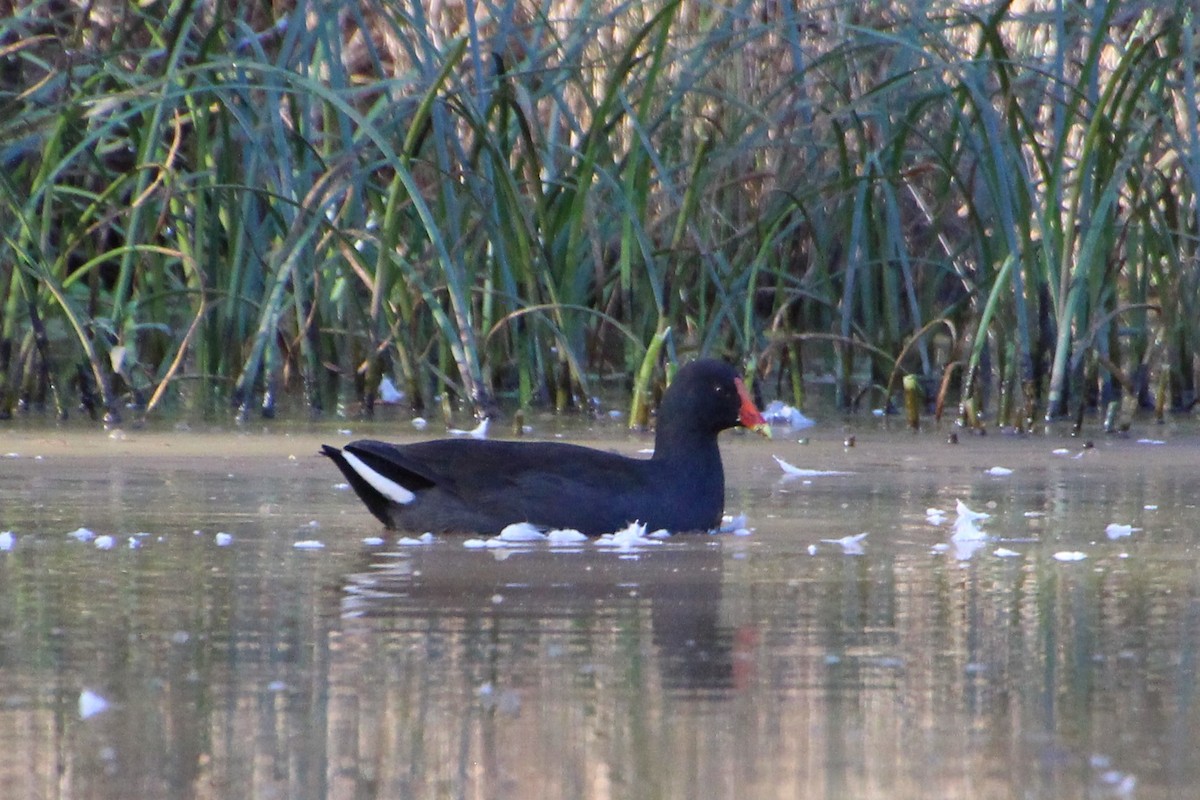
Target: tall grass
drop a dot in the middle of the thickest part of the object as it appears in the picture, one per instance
(204, 203)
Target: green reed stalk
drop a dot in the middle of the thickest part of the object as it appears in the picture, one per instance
(410, 202)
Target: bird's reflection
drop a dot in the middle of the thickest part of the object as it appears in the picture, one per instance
(680, 584)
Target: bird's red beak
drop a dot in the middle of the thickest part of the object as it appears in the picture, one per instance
(749, 416)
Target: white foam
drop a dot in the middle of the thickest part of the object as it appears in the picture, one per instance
(730, 524)
(521, 532)
(565, 536)
(385, 486)
(82, 534)
(627, 538)
(91, 704)
(1116, 530)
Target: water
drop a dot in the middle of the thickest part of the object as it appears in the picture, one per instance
(772, 664)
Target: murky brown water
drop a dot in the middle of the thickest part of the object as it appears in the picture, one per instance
(769, 665)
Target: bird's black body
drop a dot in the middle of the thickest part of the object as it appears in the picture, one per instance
(464, 485)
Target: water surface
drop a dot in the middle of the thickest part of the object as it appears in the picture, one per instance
(1047, 661)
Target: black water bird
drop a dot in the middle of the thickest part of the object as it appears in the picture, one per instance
(473, 486)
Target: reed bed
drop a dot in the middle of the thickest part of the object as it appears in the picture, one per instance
(206, 203)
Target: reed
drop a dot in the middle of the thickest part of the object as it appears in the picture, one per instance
(513, 202)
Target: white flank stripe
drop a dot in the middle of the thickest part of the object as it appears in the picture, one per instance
(385, 486)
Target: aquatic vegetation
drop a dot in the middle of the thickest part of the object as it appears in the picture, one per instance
(994, 207)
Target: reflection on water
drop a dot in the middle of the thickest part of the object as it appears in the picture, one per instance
(709, 666)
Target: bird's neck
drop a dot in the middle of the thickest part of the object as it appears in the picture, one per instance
(671, 444)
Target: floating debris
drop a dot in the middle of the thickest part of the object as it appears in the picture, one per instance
(1069, 555)
(1004, 552)
(523, 535)
(965, 512)
(851, 545)
(565, 537)
(521, 532)
(967, 529)
(82, 534)
(1115, 530)
(966, 548)
(779, 413)
(411, 541)
(223, 539)
(105, 542)
(1120, 784)
(628, 538)
(999, 472)
(793, 471)
(8, 540)
(91, 704)
(420, 423)
(737, 525)
(373, 541)
(478, 432)
(388, 393)
(730, 523)
(309, 544)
